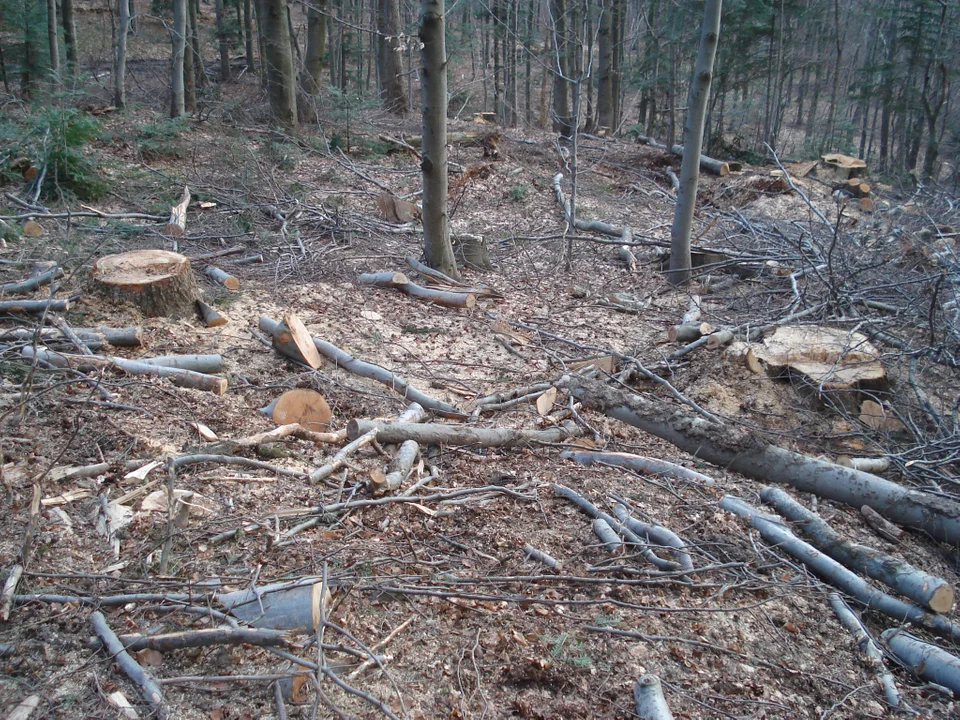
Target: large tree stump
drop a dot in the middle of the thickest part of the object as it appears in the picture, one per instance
(156, 281)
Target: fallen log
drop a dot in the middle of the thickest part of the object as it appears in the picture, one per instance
(197, 363)
(148, 687)
(222, 277)
(211, 318)
(608, 536)
(775, 533)
(300, 336)
(436, 434)
(924, 589)
(282, 343)
(709, 164)
(177, 224)
(34, 306)
(656, 534)
(44, 278)
(400, 282)
(400, 468)
(207, 637)
(94, 339)
(750, 456)
(925, 660)
(648, 699)
(216, 254)
(340, 459)
(638, 463)
(881, 526)
(181, 378)
(283, 606)
(688, 332)
(868, 647)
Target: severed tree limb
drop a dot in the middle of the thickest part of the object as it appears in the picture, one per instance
(437, 434)
(400, 281)
(656, 533)
(222, 277)
(148, 687)
(282, 343)
(32, 283)
(206, 364)
(608, 536)
(401, 466)
(93, 338)
(206, 638)
(638, 463)
(648, 699)
(291, 430)
(748, 455)
(774, 532)
(340, 459)
(211, 318)
(926, 660)
(924, 589)
(534, 554)
(34, 306)
(872, 654)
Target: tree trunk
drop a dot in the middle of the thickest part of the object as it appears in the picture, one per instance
(199, 74)
(189, 66)
(120, 57)
(499, 32)
(605, 75)
(248, 33)
(562, 122)
(436, 230)
(53, 41)
(310, 80)
(225, 73)
(177, 108)
(389, 67)
(692, 143)
(281, 78)
(69, 34)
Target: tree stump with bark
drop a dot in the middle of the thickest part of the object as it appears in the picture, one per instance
(158, 282)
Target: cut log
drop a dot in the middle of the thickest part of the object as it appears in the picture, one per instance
(688, 332)
(31, 228)
(844, 166)
(93, 338)
(211, 318)
(648, 699)
(307, 408)
(158, 282)
(177, 224)
(925, 660)
(283, 606)
(866, 204)
(44, 278)
(881, 526)
(402, 283)
(717, 340)
(301, 338)
(437, 434)
(283, 344)
(747, 454)
(924, 589)
(263, 636)
(637, 463)
(248, 260)
(627, 257)
(708, 164)
(694, 312)
(401, 466)
(221, 277)
(775, 533)
(34, 306)
(149, 689)
(198, 363)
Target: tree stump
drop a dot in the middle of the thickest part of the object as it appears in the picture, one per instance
(158, 282)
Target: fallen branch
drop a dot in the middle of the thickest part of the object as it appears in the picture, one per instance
(282, 343)
(657, 534)
(340, 459)
(836, 574)
(924, 589)
(211, 318)
(534, 554)
(872, 654)
(206, 638)
(637, 463)
(33, 283)
(649, 700)
(400, 467)
(34, 306)
(93, 338)
(437, 434)
(290, 606)
(400, 282)
(148, 687)
(291, 430)
(744, 453)
(222, 277)
(197, 363)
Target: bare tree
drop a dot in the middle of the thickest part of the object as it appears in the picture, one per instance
(436, 228)
(281, 78)
(53, 40)
(177, 108)
(388, 56)
(120, 56)
(316, 46)
(692, 141)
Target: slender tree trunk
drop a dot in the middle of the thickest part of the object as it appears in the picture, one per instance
(177, 107)
(827, 140)
(223, 41)
(199, 75)
(498, 35)
(53, 41)
(189, 69)
(120, 56)
(528, 68)
(316, 46)
(436, 230)
(692, 144)
(389, 67)
(70, 35)
(605, 75)
(561, 69)
(281, 77)
(248, 34)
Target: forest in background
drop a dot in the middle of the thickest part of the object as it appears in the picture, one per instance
(875, 80)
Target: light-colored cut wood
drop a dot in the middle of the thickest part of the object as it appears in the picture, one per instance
(303, 340)
(177, 224)
(307, 408)
(156, 281)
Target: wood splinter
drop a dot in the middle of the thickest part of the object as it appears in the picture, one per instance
(177, 224)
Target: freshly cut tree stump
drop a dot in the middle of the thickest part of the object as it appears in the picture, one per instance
(156, 281)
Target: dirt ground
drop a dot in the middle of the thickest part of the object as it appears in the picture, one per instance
(464, 623)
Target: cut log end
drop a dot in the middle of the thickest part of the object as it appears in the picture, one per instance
(308, 408)
(158, 282)
(942, 598)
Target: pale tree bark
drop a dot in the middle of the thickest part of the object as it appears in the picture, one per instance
(562, 122)
(436, 229)
(53, 41)
(316, 46)
(225, 74)
(389, 67)
(692, 142)
(120, 56)
(605, 75)
(281, 77)
(177, 108)
(70, 34)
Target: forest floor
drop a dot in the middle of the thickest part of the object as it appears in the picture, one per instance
(471, 626)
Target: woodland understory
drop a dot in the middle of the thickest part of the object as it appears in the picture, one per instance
(565, 510)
